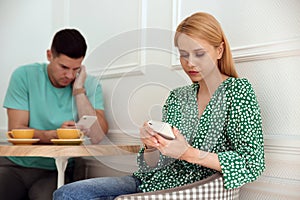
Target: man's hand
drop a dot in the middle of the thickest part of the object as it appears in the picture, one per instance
(80, 79)
(46, 136)
(68, 124)
(72, 124)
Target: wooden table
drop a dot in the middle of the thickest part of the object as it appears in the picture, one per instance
(61, 153)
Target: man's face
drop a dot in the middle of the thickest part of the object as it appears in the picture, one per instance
(62, 70)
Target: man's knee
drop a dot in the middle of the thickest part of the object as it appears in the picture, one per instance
(11, 186)
(8, 176)
(47, 184)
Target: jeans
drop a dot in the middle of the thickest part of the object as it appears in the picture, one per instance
(104, 188)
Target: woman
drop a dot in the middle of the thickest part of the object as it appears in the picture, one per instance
(216, 122)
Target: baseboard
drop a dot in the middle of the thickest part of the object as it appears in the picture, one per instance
(273, 188)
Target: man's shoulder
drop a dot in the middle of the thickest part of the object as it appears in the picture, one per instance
(92, 80)
(31, 67)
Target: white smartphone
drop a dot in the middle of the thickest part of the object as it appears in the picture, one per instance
(86, 121)
(162, 128)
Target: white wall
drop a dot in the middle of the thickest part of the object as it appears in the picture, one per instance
(138, 67)
(25, 34)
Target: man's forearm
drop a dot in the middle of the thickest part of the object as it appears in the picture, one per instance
(84, 107)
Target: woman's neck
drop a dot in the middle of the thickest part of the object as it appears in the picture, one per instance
(209, 84)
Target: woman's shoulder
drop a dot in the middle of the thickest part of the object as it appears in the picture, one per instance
(185, 89)
(182, 93)
(238, 83)
(240, 88)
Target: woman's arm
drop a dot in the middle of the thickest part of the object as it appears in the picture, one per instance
(206, 159)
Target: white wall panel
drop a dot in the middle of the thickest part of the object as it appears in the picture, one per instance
(275, 82)
(103, 23)
(102, 20)
(26, 29)
(251, 22)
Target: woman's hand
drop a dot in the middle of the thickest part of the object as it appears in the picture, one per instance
(172, 148)
(147, 136)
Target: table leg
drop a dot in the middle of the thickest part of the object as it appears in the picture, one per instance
(61, 164)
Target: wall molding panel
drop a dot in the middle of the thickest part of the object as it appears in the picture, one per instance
(129, 69)
(271, 189)
(117, 71)
(62, 19)
(266, 51)
(124, 137)
(282, 144)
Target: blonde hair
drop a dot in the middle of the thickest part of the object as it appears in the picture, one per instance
(205, 26)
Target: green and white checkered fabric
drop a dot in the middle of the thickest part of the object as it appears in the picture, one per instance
(211, 188)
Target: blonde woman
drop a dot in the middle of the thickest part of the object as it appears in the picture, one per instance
(216, 122)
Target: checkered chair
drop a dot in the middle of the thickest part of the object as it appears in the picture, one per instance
(211, 188)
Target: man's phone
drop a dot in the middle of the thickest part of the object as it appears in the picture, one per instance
(86, 121)
(162, 128)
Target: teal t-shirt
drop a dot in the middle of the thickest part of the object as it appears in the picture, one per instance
(30, 89)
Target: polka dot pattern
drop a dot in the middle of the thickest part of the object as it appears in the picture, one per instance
(230, 126)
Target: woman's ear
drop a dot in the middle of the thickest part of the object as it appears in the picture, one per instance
(220, 50)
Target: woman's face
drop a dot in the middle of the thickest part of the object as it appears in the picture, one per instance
(198, 58)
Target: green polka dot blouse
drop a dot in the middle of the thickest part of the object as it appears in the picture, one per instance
(230, 126)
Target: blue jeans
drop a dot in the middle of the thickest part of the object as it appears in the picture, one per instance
(104, 188)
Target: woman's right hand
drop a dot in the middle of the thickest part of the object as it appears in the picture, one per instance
(147, 136)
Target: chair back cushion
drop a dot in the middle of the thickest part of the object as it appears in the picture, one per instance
(211, 188)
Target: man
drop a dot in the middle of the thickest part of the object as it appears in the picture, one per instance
(46, 97)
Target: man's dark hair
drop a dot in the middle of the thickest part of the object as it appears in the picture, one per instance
(69, 42)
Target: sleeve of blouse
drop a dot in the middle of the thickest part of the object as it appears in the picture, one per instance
(169, 113)
(245, 162)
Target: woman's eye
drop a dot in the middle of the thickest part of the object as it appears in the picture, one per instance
(200, 54)
(184, 55)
